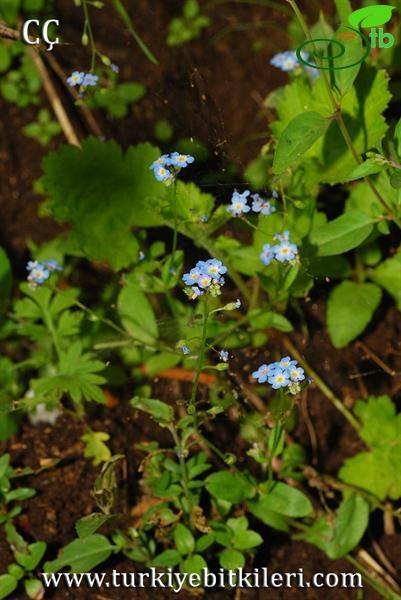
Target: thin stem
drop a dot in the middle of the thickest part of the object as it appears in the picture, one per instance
(183, 467)
(374, 583)
(50, 326)
(322, 385)
(199, 366)
(88, 28)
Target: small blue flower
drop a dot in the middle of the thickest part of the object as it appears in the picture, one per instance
(181, 160)
(196, 292)
(297, 374)
(285, 61)
(214, 268)
(267, 255)
(260, 205)
(275, 195)
(90, 80)
(279, 379)
(282, 237)
(38, 274)
(163, 174)
(141, 256)
(238, 303)
(52, 265)
(191, 277)
(115, 68)
(204, 281)
(264, 372)
(76, 78)
(162, 161)
(204, 218)
(185, 350)
(285, 252)
(287, 363)
(223, 355)
(239, 203)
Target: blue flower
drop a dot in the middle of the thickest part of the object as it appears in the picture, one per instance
(52, 265)
(162, 161)
(191, 277)
(204, 218)
(196, 292)
(282, 237)
(285, 252)
(275, 195)
(163, 174)
(238, 303)
(76, 78)
(260, 205)
(239, 203)
(223, 355)
(267, 255)
(185, 350)
(215, 268)
(141, 256)
(297, 374)
(204, 280)
(38, 273)
(287, 363)
(264, 372)
(286, 61)
(90, 79)
(181, 160)
(279, 379)
(115, 68)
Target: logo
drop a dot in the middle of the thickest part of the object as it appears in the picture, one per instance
(370, 16)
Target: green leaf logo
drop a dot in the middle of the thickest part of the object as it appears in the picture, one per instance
(371, 16)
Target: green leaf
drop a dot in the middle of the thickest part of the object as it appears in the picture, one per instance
(231, 559)
(160, 411)
(95, 448)
(168, 558)
(349, 310)
(136, 314)
(194, 564)
(371, 16)
(338, 536)
(34, 588)
(103, 194)
(344, 9)
(82, 555)
(285, 500)
(232, 487)
(371, 166)
(87, 525)
(388, 275)
(184, 540)
(377, 471)
(77, 377)
(343, 234)
(32, 557)
(345, 77)
(8, 584)
(300, 134)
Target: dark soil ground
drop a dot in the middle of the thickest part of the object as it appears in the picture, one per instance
(212, 91)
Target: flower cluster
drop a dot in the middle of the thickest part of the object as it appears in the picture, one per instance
(282, 374)
(284, 251)
(82, 79)
(205, 276)
(39, 272)
(168, 166)
(239, 204)
(288, 61)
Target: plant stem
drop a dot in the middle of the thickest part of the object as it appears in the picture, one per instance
(384, 591)
(183, 466)
(199, 366)
(323, 386)
(52, 330)
(339, 116)
(88, 28)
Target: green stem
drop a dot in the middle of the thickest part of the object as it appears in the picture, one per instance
(52, 330)
(88, 27)
(339, 117)
(183, 468)
(199, 366)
